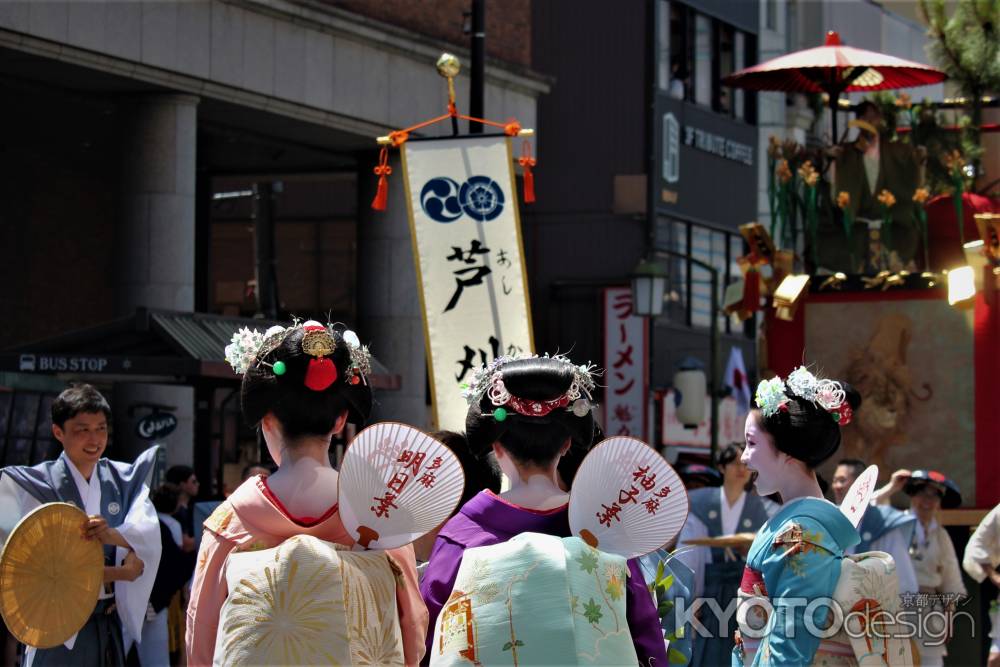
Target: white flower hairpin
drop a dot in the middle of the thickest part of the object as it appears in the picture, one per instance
(827, 394)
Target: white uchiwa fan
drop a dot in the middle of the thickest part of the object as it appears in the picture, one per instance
(859, 496)
(614, 470)
(396, 484)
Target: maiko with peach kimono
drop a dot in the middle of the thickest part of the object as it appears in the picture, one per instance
(278, 546)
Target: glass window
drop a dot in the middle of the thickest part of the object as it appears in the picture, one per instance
(720, 262)
(680, 52)
(679, 279)
(701, 289)
(739, 53)
(735, 252)
(771, 14)
(749, 52)
(726, 62)
(703, 60)
(663, 45)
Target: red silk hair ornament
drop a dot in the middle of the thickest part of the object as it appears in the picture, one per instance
(320, 374)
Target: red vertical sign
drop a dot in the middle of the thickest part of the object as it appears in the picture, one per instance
(626, 366)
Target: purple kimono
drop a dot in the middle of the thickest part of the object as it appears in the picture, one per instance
(485, 520)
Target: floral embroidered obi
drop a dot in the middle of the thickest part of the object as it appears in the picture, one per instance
(536, 599)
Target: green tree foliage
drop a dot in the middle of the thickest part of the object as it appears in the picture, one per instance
(966, 46)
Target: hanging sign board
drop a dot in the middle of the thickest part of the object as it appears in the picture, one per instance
(626, 366)
(462, 203)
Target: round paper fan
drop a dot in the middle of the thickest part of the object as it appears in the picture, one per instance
(396, 484)
(859, 496)
(626, 499)
(50, 576)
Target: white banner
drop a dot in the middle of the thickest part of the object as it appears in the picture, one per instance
(626, 366)
(731, 423)
(466, 232)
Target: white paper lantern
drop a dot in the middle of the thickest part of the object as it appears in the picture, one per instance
(691, 385)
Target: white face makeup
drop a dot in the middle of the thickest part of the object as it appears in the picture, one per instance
(761, 456)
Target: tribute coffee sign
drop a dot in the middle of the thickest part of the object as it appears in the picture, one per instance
(718, 145)
(697, 150)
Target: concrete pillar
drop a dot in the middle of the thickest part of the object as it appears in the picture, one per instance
(155, 236)
(388, 301)
(155, 249)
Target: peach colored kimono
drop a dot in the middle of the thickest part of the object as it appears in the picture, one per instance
(251, 519)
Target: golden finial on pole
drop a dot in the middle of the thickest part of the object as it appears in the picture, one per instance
(449, 66)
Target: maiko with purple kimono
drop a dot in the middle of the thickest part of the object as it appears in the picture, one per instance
(529, 412)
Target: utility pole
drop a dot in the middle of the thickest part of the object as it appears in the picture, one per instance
(477, 89)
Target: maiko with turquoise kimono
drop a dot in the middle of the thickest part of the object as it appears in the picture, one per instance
(797, 571)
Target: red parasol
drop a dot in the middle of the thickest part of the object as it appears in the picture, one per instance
(834, 69)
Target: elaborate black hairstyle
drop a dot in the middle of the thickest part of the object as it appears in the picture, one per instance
(291, 377)
(570, 463)
(531, 406)
(801, 427)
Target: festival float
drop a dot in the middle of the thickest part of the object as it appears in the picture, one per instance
(882, 266)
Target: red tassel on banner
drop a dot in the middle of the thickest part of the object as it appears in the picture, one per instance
(527, 162)
(382, 170)
(751, 290)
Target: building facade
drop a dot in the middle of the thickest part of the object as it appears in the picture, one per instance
(635, 96)
(149, 142)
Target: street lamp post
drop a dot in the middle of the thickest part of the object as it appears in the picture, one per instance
(648, 288)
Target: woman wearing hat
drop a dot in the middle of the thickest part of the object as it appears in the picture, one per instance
(526, 414)
(931, 551)
(301, 385)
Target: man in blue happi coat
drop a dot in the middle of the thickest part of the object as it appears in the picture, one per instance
(115, 497)
(883, 528)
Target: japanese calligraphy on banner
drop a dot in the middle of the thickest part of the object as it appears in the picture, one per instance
(731, 423)
(626, 366)
(466, 231)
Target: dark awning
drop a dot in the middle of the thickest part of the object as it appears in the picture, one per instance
(157, 345)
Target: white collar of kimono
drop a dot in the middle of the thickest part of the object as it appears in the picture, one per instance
(90, 492)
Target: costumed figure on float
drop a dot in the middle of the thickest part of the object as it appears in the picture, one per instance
(312, 566)
(536, 575)
(803, 600)
(875, 179)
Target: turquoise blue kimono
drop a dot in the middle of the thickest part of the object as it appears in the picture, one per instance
(797, 554)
